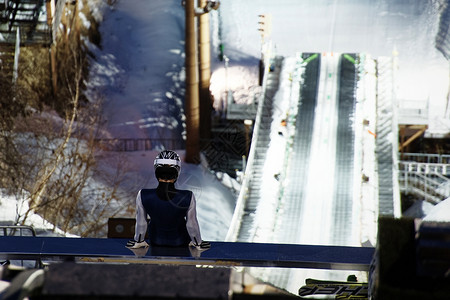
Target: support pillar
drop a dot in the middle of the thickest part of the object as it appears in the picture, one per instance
(205, 75)
(192, 109)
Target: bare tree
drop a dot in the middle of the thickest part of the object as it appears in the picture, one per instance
(63, 192)
(13, 103)
(51, 162)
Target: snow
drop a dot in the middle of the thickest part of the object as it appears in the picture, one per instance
(419, 209)
(284, 107)
(439, 213)
(11, 207)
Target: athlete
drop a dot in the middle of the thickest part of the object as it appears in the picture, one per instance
(171, 212)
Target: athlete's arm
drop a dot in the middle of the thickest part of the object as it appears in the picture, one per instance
(192, 223)
(141, 220)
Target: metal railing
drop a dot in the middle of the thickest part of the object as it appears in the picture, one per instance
(17, 230)
(426, 158)
(428, 180)
(129, 145)
(20, 230)
(432, 189)
(425, 168)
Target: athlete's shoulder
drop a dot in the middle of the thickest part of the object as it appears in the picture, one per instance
(147, 191)
(187, 195)
(186, 192)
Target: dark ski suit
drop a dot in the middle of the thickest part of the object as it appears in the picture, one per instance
(172, 214)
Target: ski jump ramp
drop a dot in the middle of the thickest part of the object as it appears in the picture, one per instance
(318, 201)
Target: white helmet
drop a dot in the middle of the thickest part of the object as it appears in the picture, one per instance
(167, 165)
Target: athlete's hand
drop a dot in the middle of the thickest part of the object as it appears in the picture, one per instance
(134, 245)
(204, 245)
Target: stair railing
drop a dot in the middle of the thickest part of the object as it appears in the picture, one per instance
(427, 180)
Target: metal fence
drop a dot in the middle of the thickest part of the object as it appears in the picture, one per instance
(427, 180)
(20, 230)
(129, 145)
(425, 168)
(17, 230)
(426, 158)
(432, 188)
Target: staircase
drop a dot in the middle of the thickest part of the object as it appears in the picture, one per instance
(386, 132)
(242, 225)
(253, 196)
(29, 16)
(429, 181)
(26, 19)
